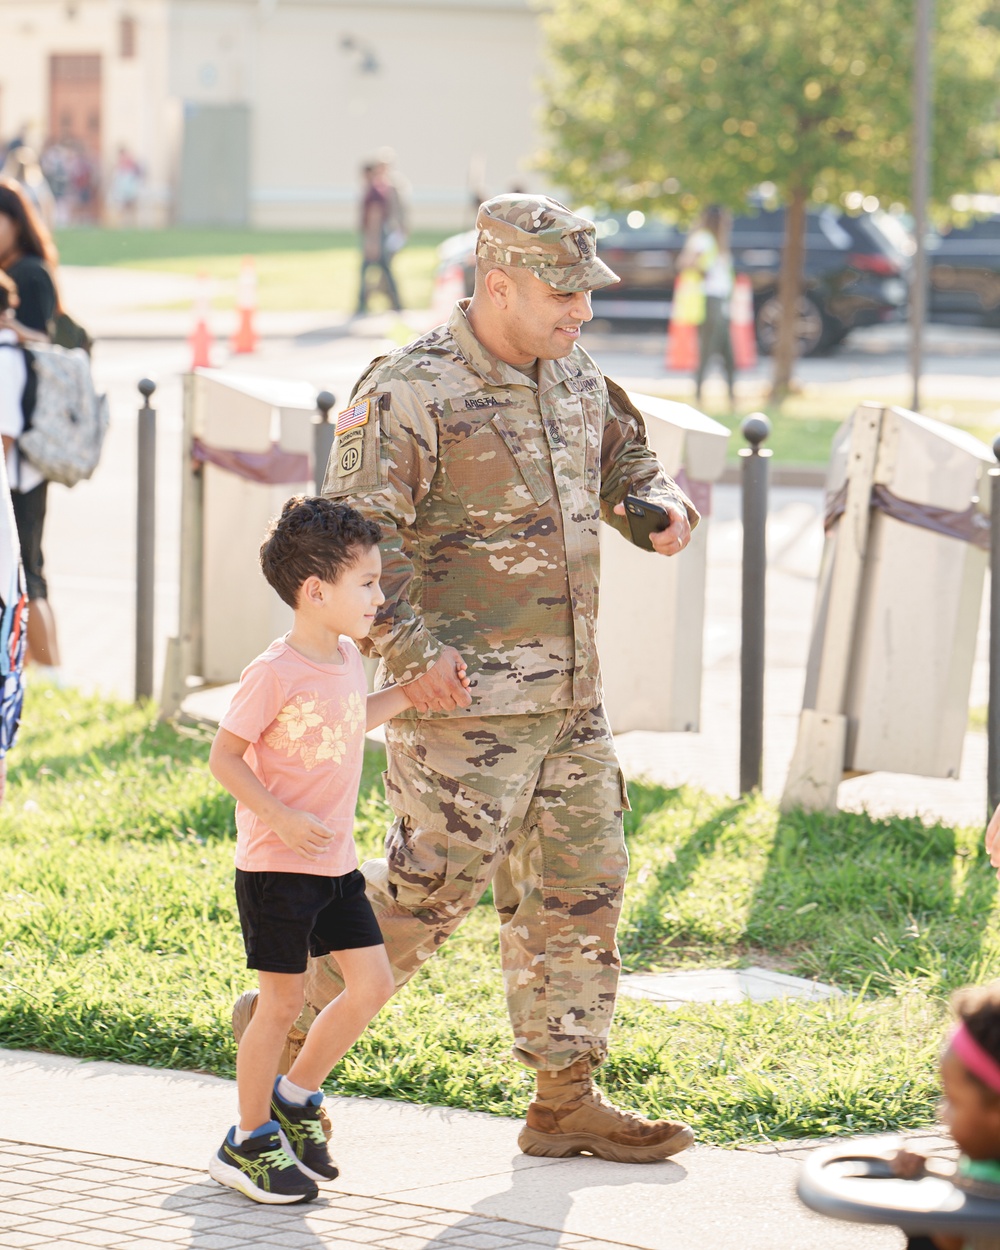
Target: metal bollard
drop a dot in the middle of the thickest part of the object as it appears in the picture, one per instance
(993, 713)
(755, 430)
(324, 432)
(145, 546)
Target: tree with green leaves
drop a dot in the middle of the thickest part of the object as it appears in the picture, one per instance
(668, 105)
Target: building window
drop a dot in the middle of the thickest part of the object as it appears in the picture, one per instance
(126, 38)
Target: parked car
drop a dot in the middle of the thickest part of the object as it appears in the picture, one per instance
(855, 272)
(965, 273)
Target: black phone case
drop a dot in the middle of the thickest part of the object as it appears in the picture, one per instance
(644, 519)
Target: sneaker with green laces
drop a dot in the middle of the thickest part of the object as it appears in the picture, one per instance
(261, 1168)
(302, 1135)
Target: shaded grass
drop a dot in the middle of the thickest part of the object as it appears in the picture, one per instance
(119, 940)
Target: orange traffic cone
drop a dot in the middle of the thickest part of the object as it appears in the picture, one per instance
(245, 338)
(449, 287)
(741, 327)
(201, 335)
(682, 336)
(682, 346)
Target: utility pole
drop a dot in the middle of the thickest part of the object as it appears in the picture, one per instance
(923, 19)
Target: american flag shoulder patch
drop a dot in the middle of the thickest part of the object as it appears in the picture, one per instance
(351, 418)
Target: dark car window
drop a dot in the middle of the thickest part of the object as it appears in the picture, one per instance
(615, 232)
(977, 238)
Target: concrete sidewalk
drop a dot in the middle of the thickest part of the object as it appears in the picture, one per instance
(101, 1154)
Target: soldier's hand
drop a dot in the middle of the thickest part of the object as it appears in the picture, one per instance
(443, 687)
(303, 833)
(675, 537)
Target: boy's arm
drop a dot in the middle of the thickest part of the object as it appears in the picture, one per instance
(301, 832)
(384, 704)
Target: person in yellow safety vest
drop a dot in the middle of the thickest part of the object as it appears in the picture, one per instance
(706, 252)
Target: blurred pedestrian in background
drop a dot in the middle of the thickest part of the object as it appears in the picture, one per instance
(56, 161)
(383, 230)
(21, 165)
(28, 257)
(706, 252)
(124, 187)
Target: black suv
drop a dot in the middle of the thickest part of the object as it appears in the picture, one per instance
(855, 275)
(965, 273)
(855, 272)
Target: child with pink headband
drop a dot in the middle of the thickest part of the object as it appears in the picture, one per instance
(970, 1079)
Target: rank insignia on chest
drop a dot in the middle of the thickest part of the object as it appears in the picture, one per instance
(352, 418)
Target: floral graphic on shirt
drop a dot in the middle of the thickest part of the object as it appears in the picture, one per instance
(302, 728)
(293, 722)
(353, 712)
(331, 747)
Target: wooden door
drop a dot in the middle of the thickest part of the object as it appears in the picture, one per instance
(75, 100)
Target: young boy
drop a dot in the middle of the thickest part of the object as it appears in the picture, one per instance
(290, 751)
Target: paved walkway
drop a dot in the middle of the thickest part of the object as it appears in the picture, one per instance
(68, 1200)
(108, 1155)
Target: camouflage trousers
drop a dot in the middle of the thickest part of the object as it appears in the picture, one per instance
(532, 804)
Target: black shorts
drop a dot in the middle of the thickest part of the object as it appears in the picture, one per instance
(29, 516)
(288, 916)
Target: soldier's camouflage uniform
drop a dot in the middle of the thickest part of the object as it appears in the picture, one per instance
(490, 489)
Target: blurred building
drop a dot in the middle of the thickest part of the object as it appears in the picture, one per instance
(261, 112)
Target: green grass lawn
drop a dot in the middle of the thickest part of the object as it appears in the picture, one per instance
(296, 270)
(120, 940)
(803, 427)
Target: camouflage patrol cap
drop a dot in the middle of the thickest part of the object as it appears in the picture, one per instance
(537, 233)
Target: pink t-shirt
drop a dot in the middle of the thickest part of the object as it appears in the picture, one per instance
(306, 726)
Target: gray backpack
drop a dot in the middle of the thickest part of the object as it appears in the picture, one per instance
(65, 430)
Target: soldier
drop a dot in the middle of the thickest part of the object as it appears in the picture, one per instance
(488, 450)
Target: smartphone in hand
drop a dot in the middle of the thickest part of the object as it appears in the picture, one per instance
(645, 518)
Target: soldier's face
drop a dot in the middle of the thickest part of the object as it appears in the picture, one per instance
(542, 322)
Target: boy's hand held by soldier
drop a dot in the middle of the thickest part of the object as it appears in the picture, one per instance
(444, 687)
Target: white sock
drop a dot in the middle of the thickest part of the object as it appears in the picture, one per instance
(294, 1094)
(240, 1135)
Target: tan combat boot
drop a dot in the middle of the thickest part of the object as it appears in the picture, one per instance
(570, 1116)
(243, 1010)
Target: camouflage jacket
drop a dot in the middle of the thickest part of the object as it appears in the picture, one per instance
(490, 489)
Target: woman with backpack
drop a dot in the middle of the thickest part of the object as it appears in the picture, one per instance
(28, 256)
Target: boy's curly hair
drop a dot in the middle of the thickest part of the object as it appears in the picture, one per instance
(313, 537)
(978, 1008)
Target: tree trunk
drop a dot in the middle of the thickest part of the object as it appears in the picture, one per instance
(789, 289)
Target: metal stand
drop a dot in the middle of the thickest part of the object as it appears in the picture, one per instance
(817, 766)
(993, 715)
(755, 430)
(145, 547)
(324, 433)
